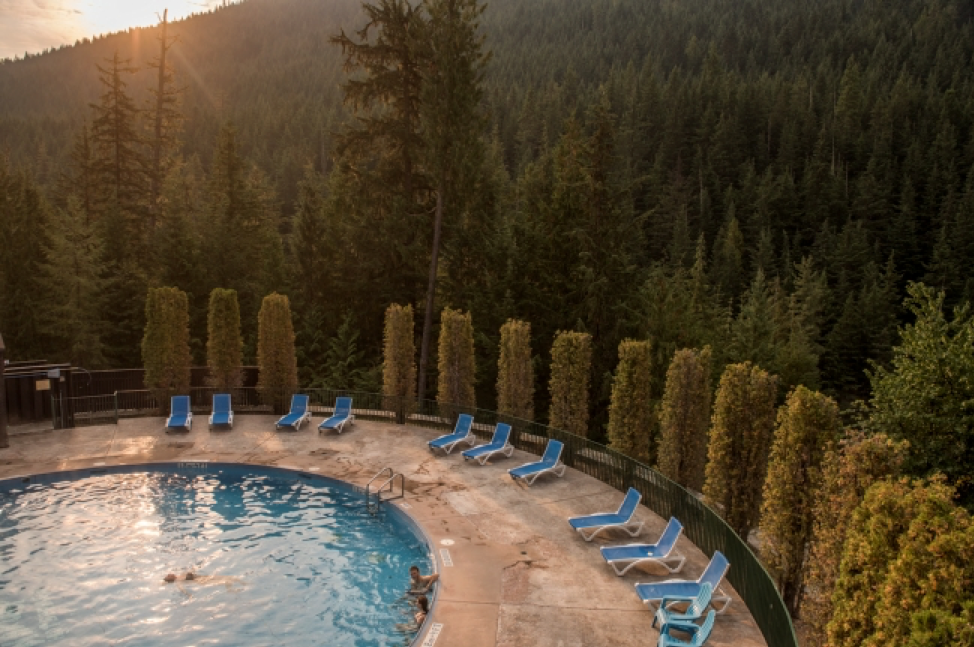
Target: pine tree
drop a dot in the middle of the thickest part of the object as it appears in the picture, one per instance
(23, 216)
(399, 355)
(224, 345)
(923, 396)
(848, 471)
(73, 286)
(808, 423)
(631, 422)
(276, 358)
(457, 365)
(119, 165)
(165, 346)
(737, 455)
(685, 418)
(166, 121)
(515, 371)
(344, 360)
(450, 121)
(571, 361)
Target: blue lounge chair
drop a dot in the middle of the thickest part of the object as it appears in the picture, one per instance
(662, 552)
(462, 433)
(683, 620)
(222, 411)
(698, 634)
(623, 518)
(180, 416)
(299, 413)
(685, 591)
(343, 414)
(499, 444)
(550, 462)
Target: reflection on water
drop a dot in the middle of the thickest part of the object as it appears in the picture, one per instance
(278, 562)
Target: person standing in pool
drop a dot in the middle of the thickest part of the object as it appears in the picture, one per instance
(419, 583)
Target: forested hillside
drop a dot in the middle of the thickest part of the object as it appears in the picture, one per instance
(763, 176)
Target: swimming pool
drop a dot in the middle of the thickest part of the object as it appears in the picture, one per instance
(287, 558)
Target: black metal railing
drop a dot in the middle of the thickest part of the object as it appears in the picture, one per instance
(704, 527)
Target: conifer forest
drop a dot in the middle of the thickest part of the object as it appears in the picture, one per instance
(781, 183)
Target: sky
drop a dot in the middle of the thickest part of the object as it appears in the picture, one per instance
(34, 25)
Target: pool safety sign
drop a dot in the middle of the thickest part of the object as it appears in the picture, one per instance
(433, 634)
(445, 557)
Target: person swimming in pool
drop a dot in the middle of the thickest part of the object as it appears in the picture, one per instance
(419, 583)
(203, 580)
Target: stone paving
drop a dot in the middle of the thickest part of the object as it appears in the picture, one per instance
(520, 576)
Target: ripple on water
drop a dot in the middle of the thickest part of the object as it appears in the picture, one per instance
(285, 562)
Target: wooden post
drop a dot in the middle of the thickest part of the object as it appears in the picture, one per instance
(3, 399)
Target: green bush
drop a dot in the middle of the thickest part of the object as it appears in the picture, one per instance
(165, 345)
(685, 418)
(808, 423)
(276, 358)
(737, 456)
(515, 371)
(631, 406)
(571, 363)
(456, 365)
(224, 345)
(399, 353)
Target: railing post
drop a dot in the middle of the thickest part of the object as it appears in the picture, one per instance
(4, 442)
(116, 406)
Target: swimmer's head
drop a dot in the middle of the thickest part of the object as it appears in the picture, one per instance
(169, 578)
(190, 575)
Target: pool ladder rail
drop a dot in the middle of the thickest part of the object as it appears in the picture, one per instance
(389, 484)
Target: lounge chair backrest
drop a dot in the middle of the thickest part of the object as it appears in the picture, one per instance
(716, 570)
(628, 507)
(668, 539)
(221, 403)
(700, 603)
(180, 404)
(552, 452)
(343, 406)
(299, 403)
(464, 423)
(705, 629)
(502, 433)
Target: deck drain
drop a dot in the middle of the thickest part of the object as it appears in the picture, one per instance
(181, 444)
(447, 542)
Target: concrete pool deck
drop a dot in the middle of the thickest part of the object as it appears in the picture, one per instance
(520, 576)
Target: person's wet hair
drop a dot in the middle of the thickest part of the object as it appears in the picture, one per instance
(423, 604)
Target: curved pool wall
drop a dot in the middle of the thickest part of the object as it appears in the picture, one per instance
(20, 484)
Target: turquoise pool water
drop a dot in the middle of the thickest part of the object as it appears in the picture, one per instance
(285, 558)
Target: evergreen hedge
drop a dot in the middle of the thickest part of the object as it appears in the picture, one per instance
(399, 355)
(276, 358)
(224, 345)
(631, 406)
(456, 365)
(685, 418)
(165, 345)
(515, 371)
(737, 456)
(571, 362)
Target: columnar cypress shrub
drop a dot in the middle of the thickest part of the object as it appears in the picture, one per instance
(848, 471)
(165, 345)
(399, 356)
(276, 358)
(685, 417)
(907, 552)
(631, 407)
(456, 365)
(808, 423)
(737, 455)
(224, 345)
(515, 371)
(571, 361)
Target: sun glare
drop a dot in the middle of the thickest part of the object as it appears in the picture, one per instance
(33, 26)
